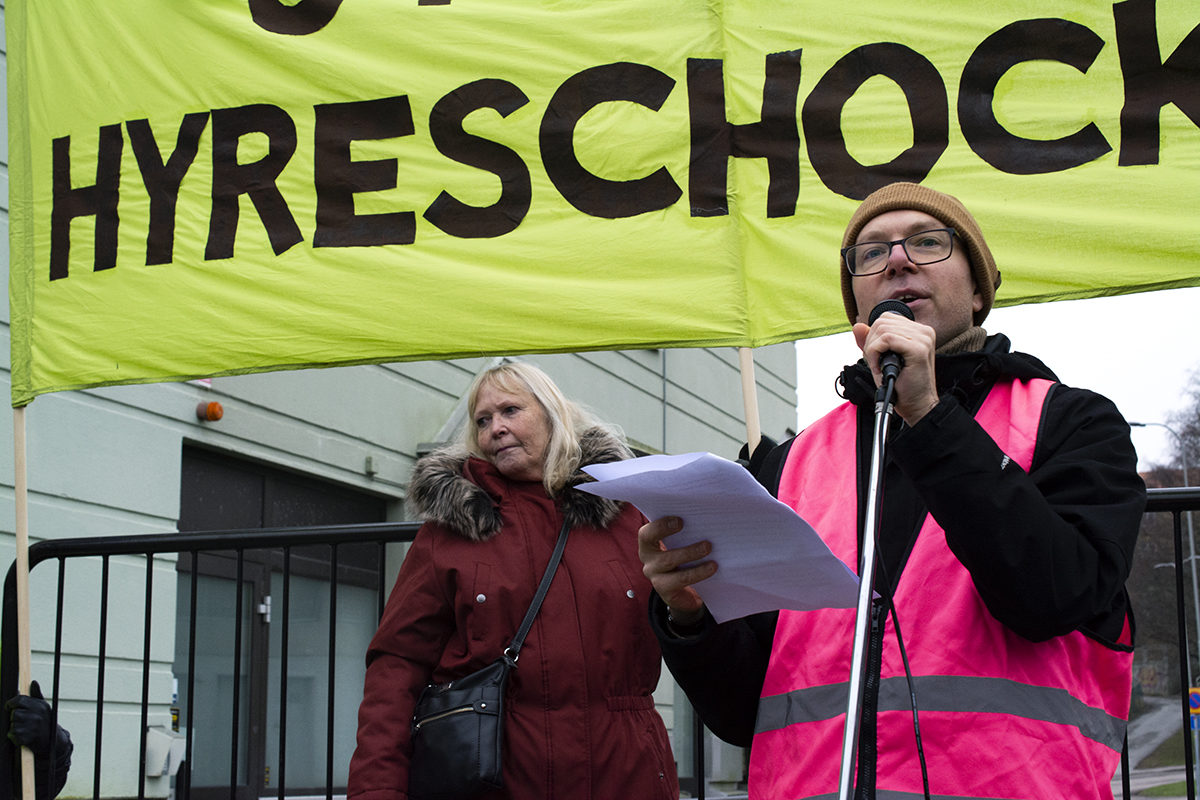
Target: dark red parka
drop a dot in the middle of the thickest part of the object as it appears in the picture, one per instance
(580, 718)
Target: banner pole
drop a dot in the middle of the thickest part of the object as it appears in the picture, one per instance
(24, 661)
(749, 399)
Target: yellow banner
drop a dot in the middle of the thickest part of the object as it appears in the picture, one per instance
(226, 186)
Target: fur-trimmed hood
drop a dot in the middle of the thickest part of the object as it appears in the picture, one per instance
(441, 492)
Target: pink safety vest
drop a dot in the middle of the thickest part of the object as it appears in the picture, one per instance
(1000, 716)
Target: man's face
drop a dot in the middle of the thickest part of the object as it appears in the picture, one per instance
(941, 295)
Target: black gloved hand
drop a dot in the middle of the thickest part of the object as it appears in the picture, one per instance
(754, 462)
(31, 721)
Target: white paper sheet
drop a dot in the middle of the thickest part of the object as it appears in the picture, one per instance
(768, 557)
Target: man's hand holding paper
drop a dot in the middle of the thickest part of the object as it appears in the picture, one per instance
(769, 557)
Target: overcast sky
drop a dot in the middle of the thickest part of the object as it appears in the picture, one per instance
(1138, 350)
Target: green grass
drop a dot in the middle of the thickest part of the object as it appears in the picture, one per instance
(1167, 754)
(1168, 790)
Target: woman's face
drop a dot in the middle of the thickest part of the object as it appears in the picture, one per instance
(513, 432)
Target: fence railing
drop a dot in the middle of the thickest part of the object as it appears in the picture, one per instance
(1176, 501)
(282, 543)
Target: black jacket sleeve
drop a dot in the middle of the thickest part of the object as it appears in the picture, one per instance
(51, 768)
(721, 668)
(1048, 550)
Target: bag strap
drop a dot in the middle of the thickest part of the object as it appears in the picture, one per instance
(510, 652)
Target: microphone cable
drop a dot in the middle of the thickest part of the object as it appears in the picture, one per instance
(912, 696)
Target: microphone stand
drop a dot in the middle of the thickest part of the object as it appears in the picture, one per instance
(866, 577)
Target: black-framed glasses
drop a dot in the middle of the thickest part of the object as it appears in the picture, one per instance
(925, 247)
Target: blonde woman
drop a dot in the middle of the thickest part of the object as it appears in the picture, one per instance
(579, 717)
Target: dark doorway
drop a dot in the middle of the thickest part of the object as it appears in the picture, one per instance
(221, 492)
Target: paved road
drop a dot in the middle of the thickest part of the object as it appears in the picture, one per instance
(1140, 779)
(1161, 721)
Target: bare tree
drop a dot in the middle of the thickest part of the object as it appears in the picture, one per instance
(1186, 422)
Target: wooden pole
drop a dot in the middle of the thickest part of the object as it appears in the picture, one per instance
(24, 661)
(749, 399)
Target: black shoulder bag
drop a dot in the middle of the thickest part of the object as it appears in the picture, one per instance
(457, 727)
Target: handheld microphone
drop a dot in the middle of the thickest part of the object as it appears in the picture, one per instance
(890, 363)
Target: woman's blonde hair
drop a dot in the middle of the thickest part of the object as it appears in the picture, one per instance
(568, 420)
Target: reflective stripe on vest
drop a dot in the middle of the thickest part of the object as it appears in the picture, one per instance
(949, 693)
(1000, 716)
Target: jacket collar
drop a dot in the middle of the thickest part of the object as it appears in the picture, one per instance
(463, 493)
(962, 374)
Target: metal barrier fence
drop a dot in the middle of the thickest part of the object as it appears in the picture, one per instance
(1176, 502)
(285, 542)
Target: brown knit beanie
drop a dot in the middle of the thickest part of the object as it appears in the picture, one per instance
(947, 209)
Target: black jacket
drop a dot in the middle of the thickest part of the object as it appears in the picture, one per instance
(1049, 552)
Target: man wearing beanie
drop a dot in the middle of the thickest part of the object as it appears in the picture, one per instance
(999, 661)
